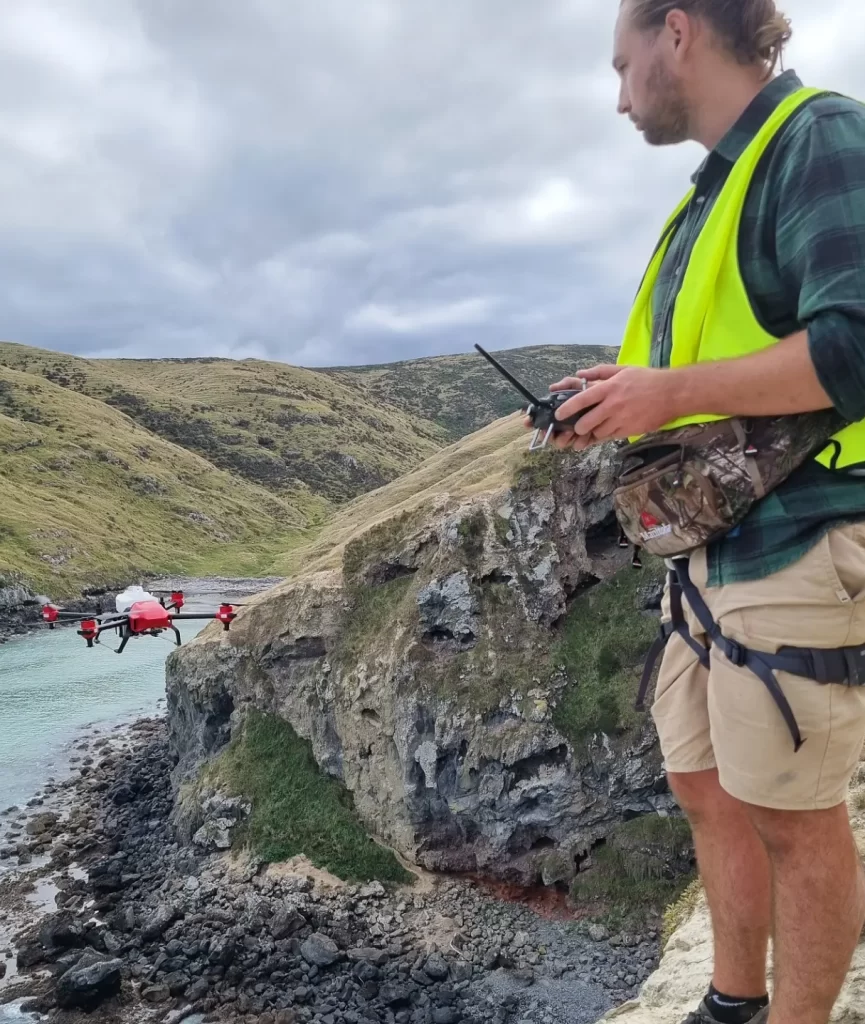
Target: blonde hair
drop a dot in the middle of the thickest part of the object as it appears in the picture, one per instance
(754, 31)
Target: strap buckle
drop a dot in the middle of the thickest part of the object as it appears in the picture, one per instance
(734, 652)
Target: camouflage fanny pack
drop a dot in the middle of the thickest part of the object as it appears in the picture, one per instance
(680, 489)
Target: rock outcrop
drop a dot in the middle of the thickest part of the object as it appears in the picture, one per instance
(424, 672)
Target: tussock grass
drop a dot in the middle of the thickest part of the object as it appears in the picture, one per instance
(296, 808)
(680, 910)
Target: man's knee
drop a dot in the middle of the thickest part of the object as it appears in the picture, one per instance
(799, 833)
(700, 796)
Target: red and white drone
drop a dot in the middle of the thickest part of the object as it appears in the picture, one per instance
(139, 613)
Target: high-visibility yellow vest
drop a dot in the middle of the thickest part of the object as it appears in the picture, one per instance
(713, 318)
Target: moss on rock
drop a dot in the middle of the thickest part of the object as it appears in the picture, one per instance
(602, 642)
(296, 808)
(642, 867)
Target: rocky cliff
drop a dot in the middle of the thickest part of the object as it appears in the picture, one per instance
(444, 654)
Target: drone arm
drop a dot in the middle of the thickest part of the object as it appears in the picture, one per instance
(226, 616)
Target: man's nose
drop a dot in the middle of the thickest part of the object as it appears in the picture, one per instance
(624, 104)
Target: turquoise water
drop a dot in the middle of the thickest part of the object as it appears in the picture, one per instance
(52, 688)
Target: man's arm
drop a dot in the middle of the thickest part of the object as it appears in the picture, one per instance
(820, 251)
(635, 400)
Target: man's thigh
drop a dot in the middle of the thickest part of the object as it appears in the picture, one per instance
(681, 710)
(817, 602)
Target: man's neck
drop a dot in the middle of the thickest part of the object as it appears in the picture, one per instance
(725, 98)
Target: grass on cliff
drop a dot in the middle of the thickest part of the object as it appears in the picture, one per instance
(678, 912)
(374, 610)
(602, 645)
(296, 809)
(637, 870)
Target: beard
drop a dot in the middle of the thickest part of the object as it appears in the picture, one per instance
(667, 122)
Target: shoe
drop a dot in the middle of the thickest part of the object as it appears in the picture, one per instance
(702, 1015)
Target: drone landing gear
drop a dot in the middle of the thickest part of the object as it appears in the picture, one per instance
(177, 634)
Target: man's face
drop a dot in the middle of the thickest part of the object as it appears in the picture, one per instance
(651, 94)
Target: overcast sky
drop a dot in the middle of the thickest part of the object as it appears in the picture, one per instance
(332, 181)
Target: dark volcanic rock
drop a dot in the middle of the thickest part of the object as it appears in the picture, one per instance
(320, 950)
(193, 935)
(156, 924)
(86, 987)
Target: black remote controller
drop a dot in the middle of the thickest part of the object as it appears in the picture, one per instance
(541, 411)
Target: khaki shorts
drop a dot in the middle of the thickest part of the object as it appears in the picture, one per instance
(724, 716)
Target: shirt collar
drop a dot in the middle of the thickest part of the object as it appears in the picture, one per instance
(756, 114)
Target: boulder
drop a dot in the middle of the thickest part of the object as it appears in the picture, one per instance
(86, 987)
(320, 950)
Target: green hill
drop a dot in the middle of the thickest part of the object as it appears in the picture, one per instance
(86, 495)
(119, 467)
(463, 393)
(273, 424)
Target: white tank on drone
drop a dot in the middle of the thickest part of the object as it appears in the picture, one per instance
(131, 596)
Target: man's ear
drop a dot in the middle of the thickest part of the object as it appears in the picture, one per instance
(681, 31)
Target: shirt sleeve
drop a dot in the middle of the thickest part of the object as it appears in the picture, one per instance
(820, 242)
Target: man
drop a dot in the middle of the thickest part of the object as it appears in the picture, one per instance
(783, 295)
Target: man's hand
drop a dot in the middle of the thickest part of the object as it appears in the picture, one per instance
(567, 438)
(621, 401)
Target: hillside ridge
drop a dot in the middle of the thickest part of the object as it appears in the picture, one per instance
(289, 446)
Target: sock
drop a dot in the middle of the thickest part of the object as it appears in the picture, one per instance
(733, 1009)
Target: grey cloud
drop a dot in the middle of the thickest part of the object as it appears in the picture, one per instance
(331, 182)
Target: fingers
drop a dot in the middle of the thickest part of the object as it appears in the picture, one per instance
(568, 384)
(594, 422)
(584, 400)
(603, 372)
(574, 442)
(594, 373)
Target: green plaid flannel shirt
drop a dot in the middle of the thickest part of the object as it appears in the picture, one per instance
(802, 256)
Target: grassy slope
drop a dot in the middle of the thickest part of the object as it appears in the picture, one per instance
(464, 393)
(483, 461)
(642, 868)
(311, 438)
(87, 495)
(601, 644)
(270, 423)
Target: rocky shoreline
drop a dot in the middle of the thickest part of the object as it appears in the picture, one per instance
(109, 918)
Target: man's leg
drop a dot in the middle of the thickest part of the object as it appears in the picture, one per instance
(796, 798)
(734, 869)
(819, 908)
